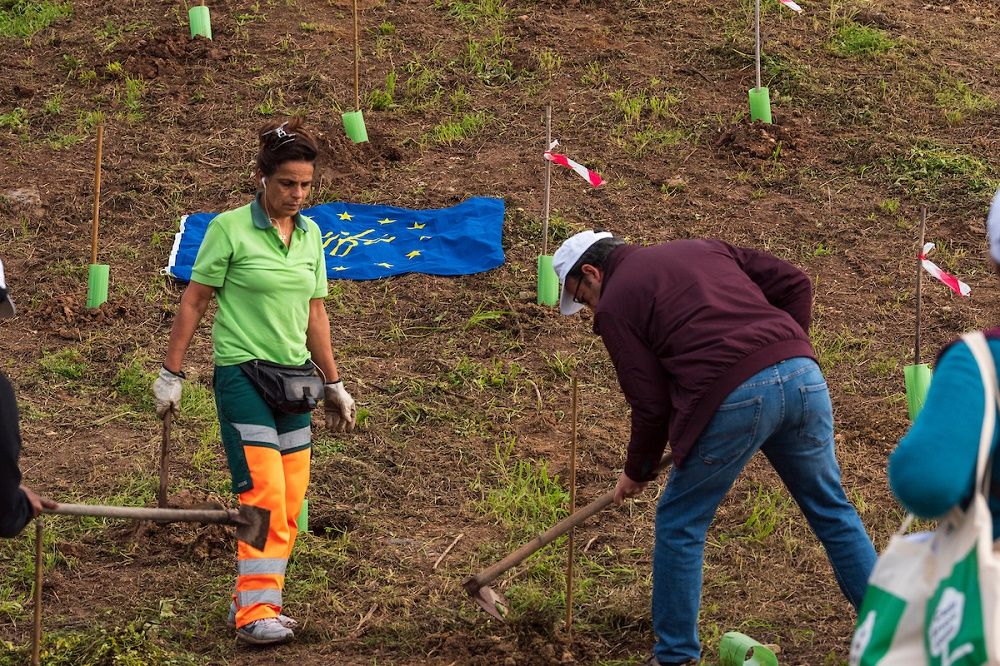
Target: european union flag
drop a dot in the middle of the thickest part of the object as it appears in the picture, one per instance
(364, 242)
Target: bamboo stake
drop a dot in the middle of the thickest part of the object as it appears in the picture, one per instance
(357, 59)
(920, 273)
(757, 38)
(548, 181)
(572, 508)
(36, 634)
(97, 195)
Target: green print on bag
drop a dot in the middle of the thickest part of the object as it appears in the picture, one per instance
(877, 622)
(954, 633)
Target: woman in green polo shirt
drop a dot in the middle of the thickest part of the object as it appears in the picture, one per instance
(264, 264)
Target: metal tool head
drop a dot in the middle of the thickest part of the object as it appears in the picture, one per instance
(253, 525)
(490, 601)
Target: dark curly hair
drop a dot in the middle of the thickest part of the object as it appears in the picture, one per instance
(284, 141)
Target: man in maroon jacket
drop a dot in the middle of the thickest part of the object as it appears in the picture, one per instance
(711, 347)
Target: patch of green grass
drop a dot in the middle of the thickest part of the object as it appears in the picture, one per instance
(958, 100)
(381, 100)
(487, 59)
(313, 567)
(768, 507)
(483, 317)
(16, 119)
(521, 495)
(53, 105)
(560, 364)
(862, 41)
(644, 140)
(451, 132)
(24, 18)
(130, 96)
(890, 206)
(548, 62)
(100, 645)
(67, 363)
(930, 166)
(472, 12)
(595, 75)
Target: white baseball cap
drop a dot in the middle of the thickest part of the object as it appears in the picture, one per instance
(566, 257)
(993, 228)
(6, 305)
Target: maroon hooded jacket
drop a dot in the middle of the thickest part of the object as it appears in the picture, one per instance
(687, 322)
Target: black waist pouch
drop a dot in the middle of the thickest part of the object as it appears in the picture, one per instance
(292, 389)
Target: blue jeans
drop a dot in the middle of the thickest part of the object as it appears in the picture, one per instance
(784, 411)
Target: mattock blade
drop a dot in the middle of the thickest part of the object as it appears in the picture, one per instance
(491, 601)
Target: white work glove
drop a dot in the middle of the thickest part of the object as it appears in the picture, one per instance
(167, 393)
(339, 407)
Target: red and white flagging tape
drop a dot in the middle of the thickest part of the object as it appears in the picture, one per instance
(591, 177)
(791, 5)
(953, 282)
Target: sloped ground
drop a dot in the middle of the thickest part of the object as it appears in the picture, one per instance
(879, 107)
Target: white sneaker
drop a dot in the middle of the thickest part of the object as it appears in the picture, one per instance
(286, 622)
(267, 631)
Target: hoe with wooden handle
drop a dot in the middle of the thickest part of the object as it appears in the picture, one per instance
(491, 601)
(252, 522)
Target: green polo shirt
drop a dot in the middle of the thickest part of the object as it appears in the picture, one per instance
(263, 288)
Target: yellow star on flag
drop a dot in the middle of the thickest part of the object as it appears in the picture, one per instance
(384, 265)
(340, 268)
(346, 216)
(425, 238)
(386, 221)
(415, 253)
(417, 225)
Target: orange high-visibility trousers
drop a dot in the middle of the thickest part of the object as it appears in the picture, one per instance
(279, 484)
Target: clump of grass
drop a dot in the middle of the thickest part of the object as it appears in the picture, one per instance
(451, 132)
(957, 100)
(17, 119)
(381, 100)
(23, 18)
(523, 497)
(929, 167)
(487, 59)
(66, 363)
(862, 41)
(472, 12)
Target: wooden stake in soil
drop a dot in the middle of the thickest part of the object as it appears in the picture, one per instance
(548, 281)
(97, 278)
(920, 274)
(572, 508)
(760, 97)
(354, 121)
(917, 376)
(357, 58)
(95, 223)
(548, 181)
(36, 634)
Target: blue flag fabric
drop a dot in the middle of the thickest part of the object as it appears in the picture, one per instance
(365, 242)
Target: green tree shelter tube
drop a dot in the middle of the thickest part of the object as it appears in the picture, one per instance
(201, 21)
(548, 281)
(303, 520)
(734, 649)
(97, 285)
(354, 125)
(918, 379)
(760, 104)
